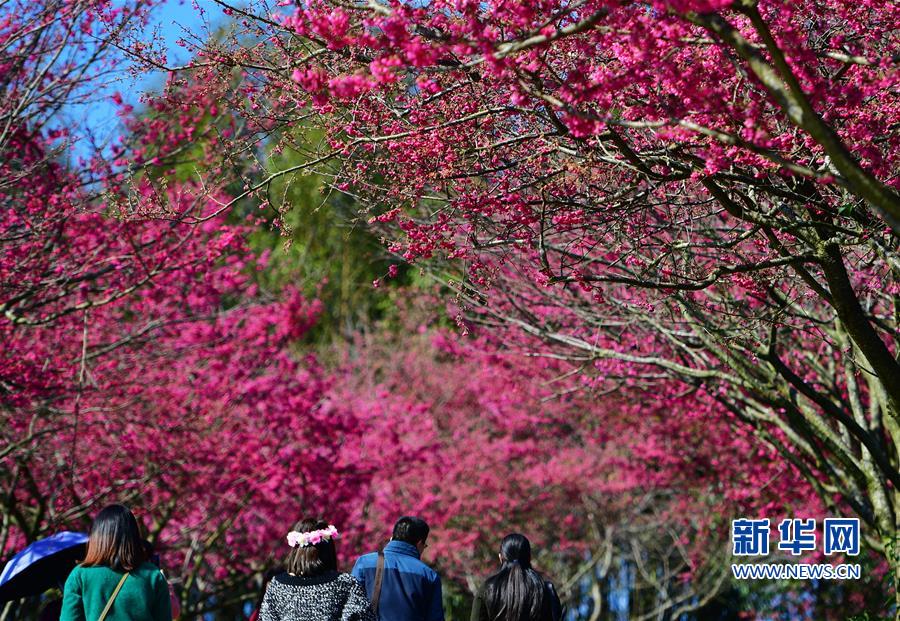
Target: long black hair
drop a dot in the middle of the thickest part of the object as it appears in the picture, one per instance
(516, 592)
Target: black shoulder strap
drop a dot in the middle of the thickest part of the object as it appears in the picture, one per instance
(379, 578)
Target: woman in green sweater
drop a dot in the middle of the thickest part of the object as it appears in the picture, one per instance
(116, 582)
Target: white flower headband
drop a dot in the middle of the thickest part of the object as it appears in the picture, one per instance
(313, 537)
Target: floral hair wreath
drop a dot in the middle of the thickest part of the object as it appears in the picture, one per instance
(313, 537)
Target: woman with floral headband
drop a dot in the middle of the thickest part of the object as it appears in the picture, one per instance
(312, 589)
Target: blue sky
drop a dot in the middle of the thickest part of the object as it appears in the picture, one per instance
(170, 21)
(175, 17)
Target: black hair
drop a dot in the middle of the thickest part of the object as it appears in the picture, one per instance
(410, 529)
(315, 559)
(115, 540)
(516, 591)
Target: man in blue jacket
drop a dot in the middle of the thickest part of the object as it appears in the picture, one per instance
(400, 586)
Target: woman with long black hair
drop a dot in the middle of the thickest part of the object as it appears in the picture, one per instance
(116, 581)
(516, 592)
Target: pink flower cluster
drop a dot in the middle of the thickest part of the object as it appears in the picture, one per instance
(311, 538)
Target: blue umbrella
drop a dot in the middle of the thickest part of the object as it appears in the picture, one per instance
(42, 565)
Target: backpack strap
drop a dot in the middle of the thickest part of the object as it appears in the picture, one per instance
(112, 597)
(379, 579)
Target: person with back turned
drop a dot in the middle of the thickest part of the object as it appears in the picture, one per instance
(400, 586)
(312, 589)
(116, 581)
(516, 592)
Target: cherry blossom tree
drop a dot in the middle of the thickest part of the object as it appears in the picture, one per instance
(671, 227)
(140, 361)
(689, 188)
(599, 480)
